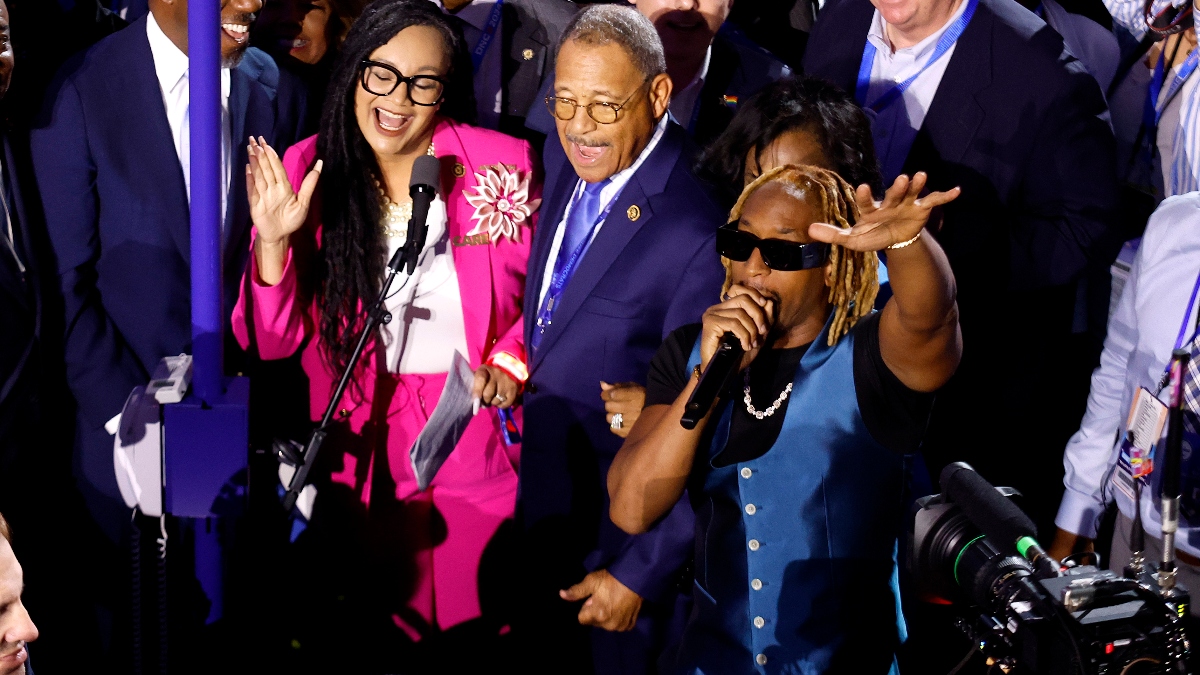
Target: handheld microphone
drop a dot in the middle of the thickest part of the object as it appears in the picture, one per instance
(993, 513)
(723, 364)
(422, 187)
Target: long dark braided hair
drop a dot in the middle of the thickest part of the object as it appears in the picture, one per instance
(351, 261)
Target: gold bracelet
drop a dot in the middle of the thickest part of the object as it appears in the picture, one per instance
(696, 371)
(906, 243)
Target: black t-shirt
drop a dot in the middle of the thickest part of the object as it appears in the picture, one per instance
(894, 414)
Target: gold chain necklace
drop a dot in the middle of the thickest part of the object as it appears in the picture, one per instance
(396, 215)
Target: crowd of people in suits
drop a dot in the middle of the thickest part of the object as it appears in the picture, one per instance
(916, 218)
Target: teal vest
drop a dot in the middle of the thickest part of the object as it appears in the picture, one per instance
(796, 550)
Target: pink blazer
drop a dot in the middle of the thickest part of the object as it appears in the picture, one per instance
(491, 274)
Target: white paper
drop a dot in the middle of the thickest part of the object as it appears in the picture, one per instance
(455, 408)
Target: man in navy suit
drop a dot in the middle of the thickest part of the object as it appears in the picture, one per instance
(625, 253)
(1011, 117)
(110, 154)
(1007, 114)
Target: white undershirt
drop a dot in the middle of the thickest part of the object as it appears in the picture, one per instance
(427, 324)
(171, 67)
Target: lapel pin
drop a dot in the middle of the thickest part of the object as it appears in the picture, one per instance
(459, 170)
(527, 54)
(634, 212)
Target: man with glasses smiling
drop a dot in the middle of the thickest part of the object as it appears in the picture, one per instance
(624, 255)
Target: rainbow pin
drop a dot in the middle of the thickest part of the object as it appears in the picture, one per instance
(730, 101)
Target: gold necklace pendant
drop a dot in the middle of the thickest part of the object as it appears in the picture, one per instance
(396, 215)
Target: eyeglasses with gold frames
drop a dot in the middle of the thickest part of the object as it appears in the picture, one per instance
(602, 112)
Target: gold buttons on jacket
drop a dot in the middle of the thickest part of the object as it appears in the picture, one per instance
(344, 413)
(527, 54)
(459, 170)
(634, 212)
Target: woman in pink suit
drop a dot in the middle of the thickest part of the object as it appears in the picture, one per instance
(315, 269)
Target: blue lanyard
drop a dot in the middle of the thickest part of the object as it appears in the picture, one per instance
(889, 97)
(1179, 341)
(1187, 316)
(487, 36)
(1154, 109)
(559, 281)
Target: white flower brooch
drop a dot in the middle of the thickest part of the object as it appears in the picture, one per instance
(502, 203)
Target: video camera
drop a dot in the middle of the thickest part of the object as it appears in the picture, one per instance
(973, 547)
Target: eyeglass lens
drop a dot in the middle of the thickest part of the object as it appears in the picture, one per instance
(564, 109)
(382, 81)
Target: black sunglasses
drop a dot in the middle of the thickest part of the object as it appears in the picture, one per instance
(778, 254)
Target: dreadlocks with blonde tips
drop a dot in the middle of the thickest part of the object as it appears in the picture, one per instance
(855, 273)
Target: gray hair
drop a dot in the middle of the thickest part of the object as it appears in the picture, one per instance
(624, 25)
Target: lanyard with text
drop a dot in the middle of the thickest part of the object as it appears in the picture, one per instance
(1154, 108)
(558, 282)
(890, 96)
(488, 34)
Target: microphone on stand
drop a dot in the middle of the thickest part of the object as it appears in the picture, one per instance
(723, 364)
(422, 186)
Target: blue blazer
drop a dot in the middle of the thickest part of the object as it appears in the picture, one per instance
(652, 268)
(116, 211)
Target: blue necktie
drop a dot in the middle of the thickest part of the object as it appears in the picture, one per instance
(581, 221)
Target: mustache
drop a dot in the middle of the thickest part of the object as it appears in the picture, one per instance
(580, 140)
(240, 17)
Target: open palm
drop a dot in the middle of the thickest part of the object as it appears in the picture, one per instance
(900, 216)
(276, 209)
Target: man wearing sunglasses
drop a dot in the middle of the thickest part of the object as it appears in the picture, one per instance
(798, 471)
(624, 254)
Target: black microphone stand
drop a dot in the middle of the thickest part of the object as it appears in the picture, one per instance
(377, 315)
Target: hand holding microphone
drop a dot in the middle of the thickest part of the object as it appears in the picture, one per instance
(747, 314)
(733, 332)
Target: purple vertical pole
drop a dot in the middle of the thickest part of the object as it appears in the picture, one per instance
(204, 73)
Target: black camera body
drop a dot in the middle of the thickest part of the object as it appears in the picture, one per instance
(1087, 620)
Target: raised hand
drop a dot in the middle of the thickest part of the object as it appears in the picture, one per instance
(901, 216)
(276, 209)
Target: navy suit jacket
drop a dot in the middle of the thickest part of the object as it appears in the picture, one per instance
(1018, 124)
(652, 267)
(25, 361)
(117, 213)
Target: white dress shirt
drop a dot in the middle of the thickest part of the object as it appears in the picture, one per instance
(489, 95)
(1179, 127)
(895, 127)
(171, 67)
(1141, 335)
(683, 101)
(10, 241)
(609, 193)
(427, 323)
